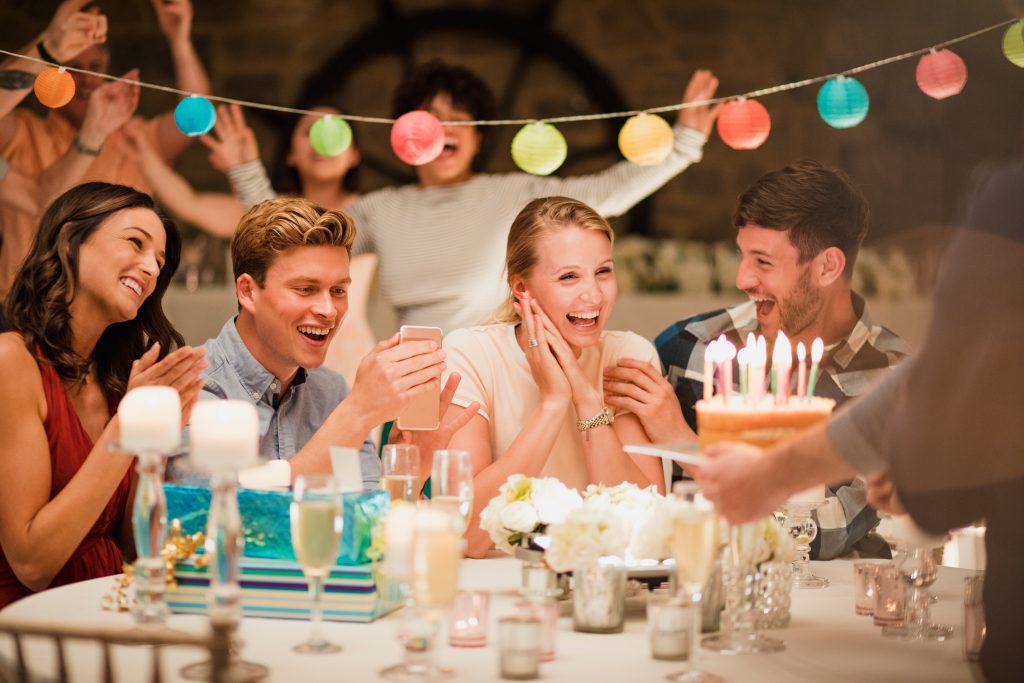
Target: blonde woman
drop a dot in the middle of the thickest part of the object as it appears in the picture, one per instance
(536, 370)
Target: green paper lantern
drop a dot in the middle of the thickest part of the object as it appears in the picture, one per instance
(539, 148)
(1013, 43)
(330, 136)
(843, 102)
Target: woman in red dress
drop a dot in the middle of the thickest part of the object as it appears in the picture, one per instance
(87, 327)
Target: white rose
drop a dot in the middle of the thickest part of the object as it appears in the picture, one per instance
(519, 516)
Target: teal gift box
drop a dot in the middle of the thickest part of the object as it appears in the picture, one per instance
(267, 525)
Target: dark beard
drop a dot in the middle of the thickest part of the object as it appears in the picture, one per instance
(801, 306)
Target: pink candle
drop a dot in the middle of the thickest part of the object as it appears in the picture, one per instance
(801, 370)
(726, 351)
(782, 363)
(709, 370)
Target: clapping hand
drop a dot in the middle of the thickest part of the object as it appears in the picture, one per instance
(111, 105)
(175, 20)
(179, 369)
(71, 30)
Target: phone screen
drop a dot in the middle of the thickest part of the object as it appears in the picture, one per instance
(423, 412)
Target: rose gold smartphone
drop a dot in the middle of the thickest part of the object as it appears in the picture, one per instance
(423, 412)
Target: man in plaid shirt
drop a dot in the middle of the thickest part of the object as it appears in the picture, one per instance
(799, 230)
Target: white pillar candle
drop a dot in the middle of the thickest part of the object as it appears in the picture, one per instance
(150, 420)
(399, 526)
(224, 435)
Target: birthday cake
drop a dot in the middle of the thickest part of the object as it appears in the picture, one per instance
(763, 423)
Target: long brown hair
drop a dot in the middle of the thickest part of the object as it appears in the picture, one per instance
(538, 218)
(39, 303)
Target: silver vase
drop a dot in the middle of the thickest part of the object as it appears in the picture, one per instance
(599, 597)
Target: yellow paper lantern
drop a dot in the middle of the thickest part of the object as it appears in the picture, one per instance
(54, 87)
(1013, 43)
(646, 139)
(539, 148)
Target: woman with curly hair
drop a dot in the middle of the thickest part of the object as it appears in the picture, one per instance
(87, 327)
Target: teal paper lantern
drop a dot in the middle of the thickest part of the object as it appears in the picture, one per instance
(843, 102)
(539, 148)
(1013, 43)
(195, 116)
(330, 136)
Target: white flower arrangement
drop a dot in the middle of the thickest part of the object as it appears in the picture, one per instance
(587, 534)
(524, 506)
(764, 541)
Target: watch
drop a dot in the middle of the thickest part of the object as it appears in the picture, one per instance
(605, 417)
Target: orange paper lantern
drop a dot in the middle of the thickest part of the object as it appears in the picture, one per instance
(417, 137)
(54, 87)
(646, 139)
(941, 74)
(744, 124)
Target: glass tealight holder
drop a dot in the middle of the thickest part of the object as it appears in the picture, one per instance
(864, 575)
(670, 621)
(467, 619)
(890, 596)
(547, 611)
(519, 648)
(974, 617)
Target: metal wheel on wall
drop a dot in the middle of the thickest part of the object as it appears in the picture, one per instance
(534, 71)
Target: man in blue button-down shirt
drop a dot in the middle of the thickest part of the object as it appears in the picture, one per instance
(291, 263)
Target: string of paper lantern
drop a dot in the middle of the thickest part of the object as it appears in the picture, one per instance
(538, 147)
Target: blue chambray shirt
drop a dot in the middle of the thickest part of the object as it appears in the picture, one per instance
(233, 373)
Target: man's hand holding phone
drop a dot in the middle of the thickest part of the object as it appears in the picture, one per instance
(394, 374)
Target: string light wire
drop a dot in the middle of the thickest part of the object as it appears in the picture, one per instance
(555, 119)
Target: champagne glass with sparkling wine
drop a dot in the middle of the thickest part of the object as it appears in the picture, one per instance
(400, 471)
(451, 483)
(316, 517)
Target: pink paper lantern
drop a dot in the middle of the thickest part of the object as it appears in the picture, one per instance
(941, 74)
(744, 124)
(417, 137)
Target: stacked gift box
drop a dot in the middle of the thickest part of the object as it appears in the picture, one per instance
(271, 581)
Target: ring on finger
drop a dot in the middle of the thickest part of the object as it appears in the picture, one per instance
(532, 343)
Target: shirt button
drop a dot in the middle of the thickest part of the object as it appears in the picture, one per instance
(255, 394)
(273, 385)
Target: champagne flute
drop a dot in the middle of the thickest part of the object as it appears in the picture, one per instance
(451, 483)
(437, 549)
(316, 517)
(400, 471)
(694, 547)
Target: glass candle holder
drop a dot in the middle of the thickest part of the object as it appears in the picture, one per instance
(546, 610)
(519, 646)
(974, 617)
(890, 596)
(670, 623)
(864, 576)
(467, 619)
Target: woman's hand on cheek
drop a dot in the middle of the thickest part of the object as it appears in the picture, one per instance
(547, 372)
(582, 391)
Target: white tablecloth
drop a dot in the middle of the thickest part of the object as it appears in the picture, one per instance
(825, 642)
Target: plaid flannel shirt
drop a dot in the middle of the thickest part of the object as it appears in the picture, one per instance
(848, 369)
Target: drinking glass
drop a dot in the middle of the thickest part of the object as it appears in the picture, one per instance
(437, 549)
(316, 534)
(694, 547)
(451, 483)
(917, 567)
(400, 471)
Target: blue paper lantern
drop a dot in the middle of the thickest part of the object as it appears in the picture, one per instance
(842, 102)
(195, 116)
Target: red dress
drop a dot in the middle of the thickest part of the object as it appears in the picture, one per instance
(97, 555)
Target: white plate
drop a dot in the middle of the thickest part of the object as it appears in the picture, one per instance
(686, 452)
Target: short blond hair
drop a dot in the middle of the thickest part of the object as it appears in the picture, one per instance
(272, 227)
(538, 218)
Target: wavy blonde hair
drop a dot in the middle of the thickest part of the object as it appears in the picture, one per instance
(541, 217)
(272, 227)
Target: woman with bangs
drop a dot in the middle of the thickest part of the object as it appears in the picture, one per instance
(537, 368)
(87, 327)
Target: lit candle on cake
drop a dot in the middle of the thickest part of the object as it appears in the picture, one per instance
(782, 364)
(758, 361)
(743, 360)
(150, 420)
(727, 352)
(801, 370)
(709, 370)
(224, 435)
(817, 351)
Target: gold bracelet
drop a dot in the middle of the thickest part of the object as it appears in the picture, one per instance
(605, 417)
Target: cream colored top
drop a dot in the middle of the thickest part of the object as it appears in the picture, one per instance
(495, 372)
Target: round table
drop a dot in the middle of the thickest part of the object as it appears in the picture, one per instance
(826, 640)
